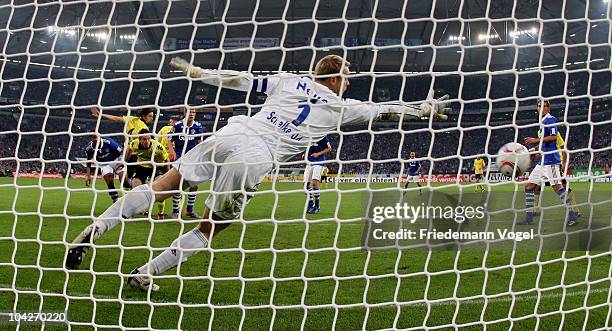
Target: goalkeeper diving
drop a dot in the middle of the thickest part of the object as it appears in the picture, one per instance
(297, 112)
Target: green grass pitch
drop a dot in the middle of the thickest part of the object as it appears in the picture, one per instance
(260, 265)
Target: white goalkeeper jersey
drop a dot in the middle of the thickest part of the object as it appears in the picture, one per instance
(299, 112)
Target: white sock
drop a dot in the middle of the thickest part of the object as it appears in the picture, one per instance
(183, 246)
(133, 202)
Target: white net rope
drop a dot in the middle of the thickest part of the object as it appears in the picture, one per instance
(275, 266)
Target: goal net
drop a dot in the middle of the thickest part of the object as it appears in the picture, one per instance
(402, 227)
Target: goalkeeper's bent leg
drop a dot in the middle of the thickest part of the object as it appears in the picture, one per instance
(138, 200)
(185, 246)
(135, 201)
(181, 249)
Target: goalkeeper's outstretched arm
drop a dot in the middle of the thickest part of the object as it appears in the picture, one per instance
(356, 111)
(436, 108)
(242, 81)
(235, 80)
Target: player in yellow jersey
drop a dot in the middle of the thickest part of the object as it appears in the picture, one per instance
(479, 166)
(149, 153)
(164, 139)
(133, 125)
(152, 159)
(323, 182)
(564, 165)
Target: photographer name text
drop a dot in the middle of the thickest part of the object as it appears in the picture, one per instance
(433, 234)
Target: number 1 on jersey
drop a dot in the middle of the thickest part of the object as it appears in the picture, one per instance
(305, 107)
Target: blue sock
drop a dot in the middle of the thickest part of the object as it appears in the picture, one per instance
(176, 201)
(310, 197)
(529, 198)
(191, 199)
(315, 196)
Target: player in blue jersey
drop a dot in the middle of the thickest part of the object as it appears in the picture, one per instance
(184, 136)
(313, 172)
(414, 172)
(548, 167)
(107, 154)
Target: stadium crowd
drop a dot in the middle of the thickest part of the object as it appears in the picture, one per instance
(357, 151)
(444, 150)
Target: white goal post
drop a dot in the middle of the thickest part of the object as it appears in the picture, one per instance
(340, 252)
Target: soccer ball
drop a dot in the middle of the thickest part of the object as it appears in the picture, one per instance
(512, 154)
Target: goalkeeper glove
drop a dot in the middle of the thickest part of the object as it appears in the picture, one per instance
(436, 108)
(226, 78)
(186, 68)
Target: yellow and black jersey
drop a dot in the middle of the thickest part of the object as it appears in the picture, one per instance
(133, 126)
(162, 135)
(155, 153)
(560, 147)
(479, 166)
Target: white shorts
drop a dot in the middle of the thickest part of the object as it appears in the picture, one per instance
(113, 167)
(235, 162)
(545, 173)
(314, 171)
